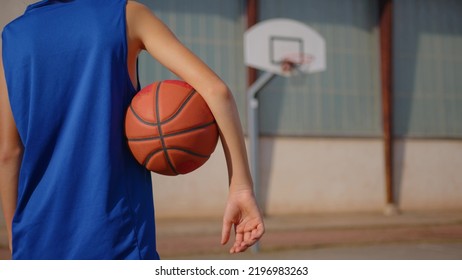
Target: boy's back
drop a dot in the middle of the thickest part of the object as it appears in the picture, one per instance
(81, 195)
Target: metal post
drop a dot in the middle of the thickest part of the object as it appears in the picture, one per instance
(253, 128)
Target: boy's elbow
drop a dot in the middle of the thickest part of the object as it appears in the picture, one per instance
(219, 90)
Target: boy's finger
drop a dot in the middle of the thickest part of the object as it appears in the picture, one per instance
(225, 232)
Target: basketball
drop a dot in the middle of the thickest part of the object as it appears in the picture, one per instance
(170, 129)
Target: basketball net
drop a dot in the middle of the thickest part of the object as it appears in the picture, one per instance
(292, 63)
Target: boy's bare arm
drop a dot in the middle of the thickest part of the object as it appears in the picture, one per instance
(10, 157)
(147, 32)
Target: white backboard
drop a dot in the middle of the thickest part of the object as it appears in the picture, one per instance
(270, 42)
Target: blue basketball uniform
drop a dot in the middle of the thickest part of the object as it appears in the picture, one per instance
(81, 194)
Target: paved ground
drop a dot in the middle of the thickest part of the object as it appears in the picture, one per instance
(398, 251)
(426, 235)
(347, 236)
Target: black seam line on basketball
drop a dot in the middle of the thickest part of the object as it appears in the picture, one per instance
(159, 128)
(172, 134)
(140, 119)
(188, 152)
(191, 94)
(148, 158)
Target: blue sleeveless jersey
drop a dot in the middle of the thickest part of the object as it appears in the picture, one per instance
(81, 194)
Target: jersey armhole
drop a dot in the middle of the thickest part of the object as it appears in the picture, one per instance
(134, 87)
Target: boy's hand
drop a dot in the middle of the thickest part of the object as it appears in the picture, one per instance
(242, 212)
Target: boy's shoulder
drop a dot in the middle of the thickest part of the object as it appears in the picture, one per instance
(13, 25)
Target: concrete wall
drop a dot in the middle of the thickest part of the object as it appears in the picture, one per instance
(428, 174)
(311, 175)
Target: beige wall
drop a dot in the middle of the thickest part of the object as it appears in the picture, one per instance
(428, 174)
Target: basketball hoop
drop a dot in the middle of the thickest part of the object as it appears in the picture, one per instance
(291, 63)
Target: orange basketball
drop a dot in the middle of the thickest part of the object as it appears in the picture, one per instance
(170, 129)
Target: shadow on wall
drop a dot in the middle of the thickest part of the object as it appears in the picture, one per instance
(423, 86)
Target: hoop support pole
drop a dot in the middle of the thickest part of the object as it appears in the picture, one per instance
(253, 129)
